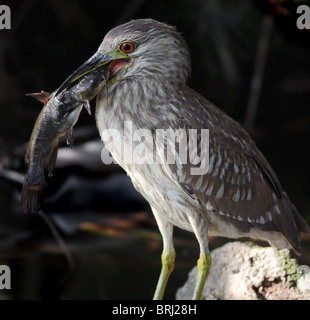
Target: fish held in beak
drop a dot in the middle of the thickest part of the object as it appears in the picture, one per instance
(57, 118)
(96, 63)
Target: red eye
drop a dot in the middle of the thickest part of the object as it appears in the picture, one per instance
(127, 47)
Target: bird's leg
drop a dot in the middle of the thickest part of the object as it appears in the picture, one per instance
(167, 257)
(167, 262)
(203, 269)
(200, 228)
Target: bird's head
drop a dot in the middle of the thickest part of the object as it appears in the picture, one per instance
(138, 49)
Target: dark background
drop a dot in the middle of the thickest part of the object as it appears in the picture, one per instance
(107, 227)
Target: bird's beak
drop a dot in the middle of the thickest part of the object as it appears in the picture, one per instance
(97, 60)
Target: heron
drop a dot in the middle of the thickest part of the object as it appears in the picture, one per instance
(239, 195)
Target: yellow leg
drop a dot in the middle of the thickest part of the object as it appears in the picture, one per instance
(167, 266)
(203, 266)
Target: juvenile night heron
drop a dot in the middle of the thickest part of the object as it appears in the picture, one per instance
(239, 196)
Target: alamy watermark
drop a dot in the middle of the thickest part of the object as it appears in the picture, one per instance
(5, 17)
(303, 269)
(160, 146)
(5, 277)
(303, 283)
(303, 21)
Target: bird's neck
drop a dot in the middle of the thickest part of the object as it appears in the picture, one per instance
(137, 100)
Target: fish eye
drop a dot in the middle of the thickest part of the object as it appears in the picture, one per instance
(127, 47)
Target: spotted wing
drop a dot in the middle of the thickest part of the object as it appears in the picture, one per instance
(240, 185)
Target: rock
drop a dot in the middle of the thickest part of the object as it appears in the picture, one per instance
(249, 272)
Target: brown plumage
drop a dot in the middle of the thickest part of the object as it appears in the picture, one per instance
(240, 185)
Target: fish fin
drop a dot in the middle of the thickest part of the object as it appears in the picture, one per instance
(31, 197)
(27, 156)
(50, 165)
(70, 138)
(87, 106)
(33, 187)
(41, 96)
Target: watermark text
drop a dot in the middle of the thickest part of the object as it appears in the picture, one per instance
(303, 21)
(161, 146)
(5, 17)
(5, 277)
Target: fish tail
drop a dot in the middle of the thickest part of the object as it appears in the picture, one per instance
(31, 198)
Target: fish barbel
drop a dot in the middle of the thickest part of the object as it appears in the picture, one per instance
(57, 118)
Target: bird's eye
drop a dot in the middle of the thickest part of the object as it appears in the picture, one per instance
(127, 47)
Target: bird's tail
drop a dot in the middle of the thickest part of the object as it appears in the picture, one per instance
(300, 222)
(293, 225)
